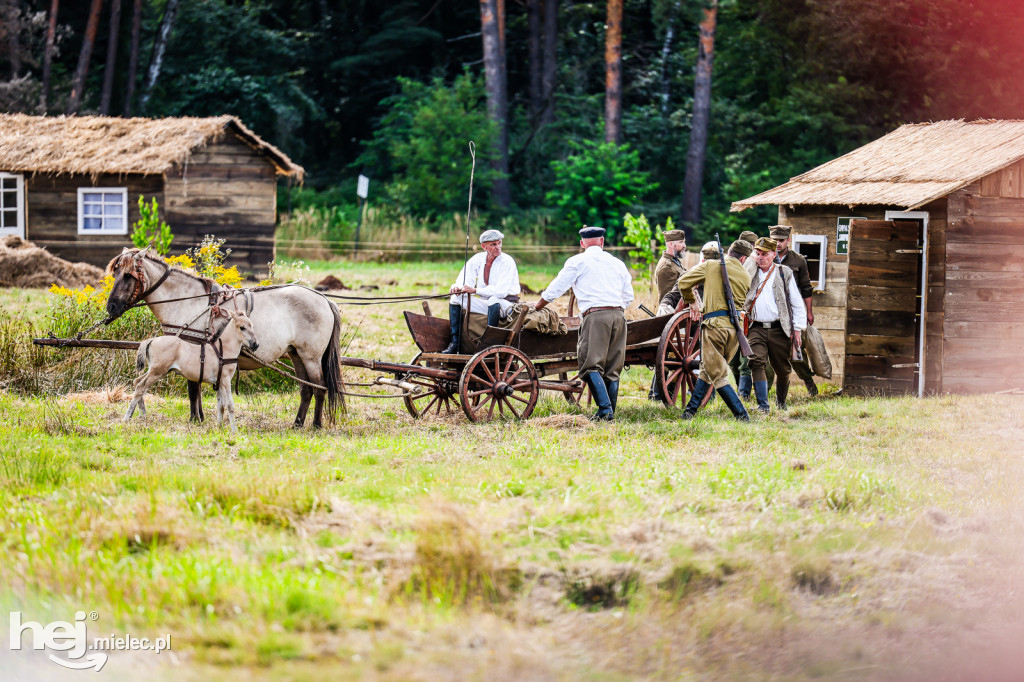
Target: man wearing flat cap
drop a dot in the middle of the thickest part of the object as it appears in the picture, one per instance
(604, 289)
(740, 365)
(491, 280)
(750, 264)
(777, 319)
(798, 264)
(718, 340)
(670, 266)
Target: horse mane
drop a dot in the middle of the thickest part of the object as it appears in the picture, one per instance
(121, 259)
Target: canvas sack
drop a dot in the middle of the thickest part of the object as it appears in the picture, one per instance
(817, 356)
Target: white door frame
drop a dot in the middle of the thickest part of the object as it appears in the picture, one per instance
(18, 229)
(922, 328)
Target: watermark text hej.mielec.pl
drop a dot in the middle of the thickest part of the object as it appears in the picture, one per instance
(74, 639)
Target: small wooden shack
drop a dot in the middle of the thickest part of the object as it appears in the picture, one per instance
(72, 184)
(916, 243)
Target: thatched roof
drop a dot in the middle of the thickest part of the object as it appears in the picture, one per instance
(102, 144)
(909, 167)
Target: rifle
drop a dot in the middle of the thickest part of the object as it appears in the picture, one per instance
(733, 315)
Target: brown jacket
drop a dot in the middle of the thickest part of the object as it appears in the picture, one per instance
(667, 273)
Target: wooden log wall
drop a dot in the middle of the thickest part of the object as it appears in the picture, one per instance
(227, 190)
(830, 304)
(984, 286)
(51, 213)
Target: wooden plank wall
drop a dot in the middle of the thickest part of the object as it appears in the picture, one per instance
(982, 329)
(51, 216)
(830, 305)
(230, 191)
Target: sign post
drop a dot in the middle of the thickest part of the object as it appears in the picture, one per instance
(843, 235)
(362, 191)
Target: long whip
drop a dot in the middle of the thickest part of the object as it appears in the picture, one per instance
(465, 262)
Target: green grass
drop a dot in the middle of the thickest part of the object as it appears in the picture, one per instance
(794, 547)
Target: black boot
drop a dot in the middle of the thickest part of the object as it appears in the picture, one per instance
(455, 320)
(733, 402)
(812, 389)
(746, 382)
(605, 412)
(700, 389)
(761, 391)
(781, 392)
(494, 315)
(655, 393)
(613, 393)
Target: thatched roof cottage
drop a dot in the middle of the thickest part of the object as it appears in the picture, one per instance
(915, 241)
(71, 184)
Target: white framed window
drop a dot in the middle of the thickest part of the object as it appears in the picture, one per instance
(814, 249)
(102, 210)
(12, 205)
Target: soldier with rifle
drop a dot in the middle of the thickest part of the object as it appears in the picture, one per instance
(725, 281)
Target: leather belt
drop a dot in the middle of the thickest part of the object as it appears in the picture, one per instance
(717, 313)
(594, 309)
(767, 325)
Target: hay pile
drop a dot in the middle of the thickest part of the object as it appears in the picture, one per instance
(25, 265)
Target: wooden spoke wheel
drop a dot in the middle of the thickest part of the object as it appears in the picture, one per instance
(678, 349)
(498, 381)
(436, 397)
(581, 398)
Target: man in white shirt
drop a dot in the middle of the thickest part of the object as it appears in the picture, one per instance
(604, 289)
(491, 280)
(777, 319)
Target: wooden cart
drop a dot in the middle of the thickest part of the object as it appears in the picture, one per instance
(506, 376)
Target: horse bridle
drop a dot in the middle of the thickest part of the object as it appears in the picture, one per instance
(137, 273)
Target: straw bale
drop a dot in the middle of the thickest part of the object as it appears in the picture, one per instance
(100, 144)
(25, 265)
(909, 167)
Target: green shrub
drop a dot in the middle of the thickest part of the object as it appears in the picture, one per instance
(596, 184)
(149, 230)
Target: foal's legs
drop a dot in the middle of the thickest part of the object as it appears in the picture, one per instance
(143, 384)
(225, 402)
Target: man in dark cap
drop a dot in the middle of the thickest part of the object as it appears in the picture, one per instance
(777, 319)
(666, 274)
(740, 365)
(798, 264)
(604, 289)
(750, 264)
(718, 340)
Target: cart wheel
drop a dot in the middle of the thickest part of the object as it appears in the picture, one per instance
(679, 346)
(580, 398)
(498, 379)
(436, 397)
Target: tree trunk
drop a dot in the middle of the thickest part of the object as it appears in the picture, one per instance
(108, 72)
(159, 48)
(51, 37)
(613, 73)
(12, 17)
(133, 58)
(701, 120)
(550, 59)
(78, 82)
(666, 52)
(497, 97)
(534, 37)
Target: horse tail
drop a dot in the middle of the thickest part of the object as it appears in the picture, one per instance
(142, 357)
(331, 368)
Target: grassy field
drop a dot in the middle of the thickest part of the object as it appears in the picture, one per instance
(844, 539)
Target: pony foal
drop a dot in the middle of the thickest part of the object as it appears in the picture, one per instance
(167, 353)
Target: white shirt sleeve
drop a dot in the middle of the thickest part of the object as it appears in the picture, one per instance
(563, 280)
(797, 307)
(627, 288)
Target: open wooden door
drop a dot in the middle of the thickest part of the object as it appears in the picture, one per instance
(883, 308)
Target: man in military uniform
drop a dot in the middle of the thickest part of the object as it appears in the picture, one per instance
(798, 264)
(777, 319)
(740, 365)
(718, 340)
(666, 274)
(604, 289)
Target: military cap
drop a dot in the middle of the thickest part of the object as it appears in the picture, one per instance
(766, 244)
(742, 247)
(675, 236)
(491, 236)
(709, 250)
(780, 231)
(748, 236)
(589, 232)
